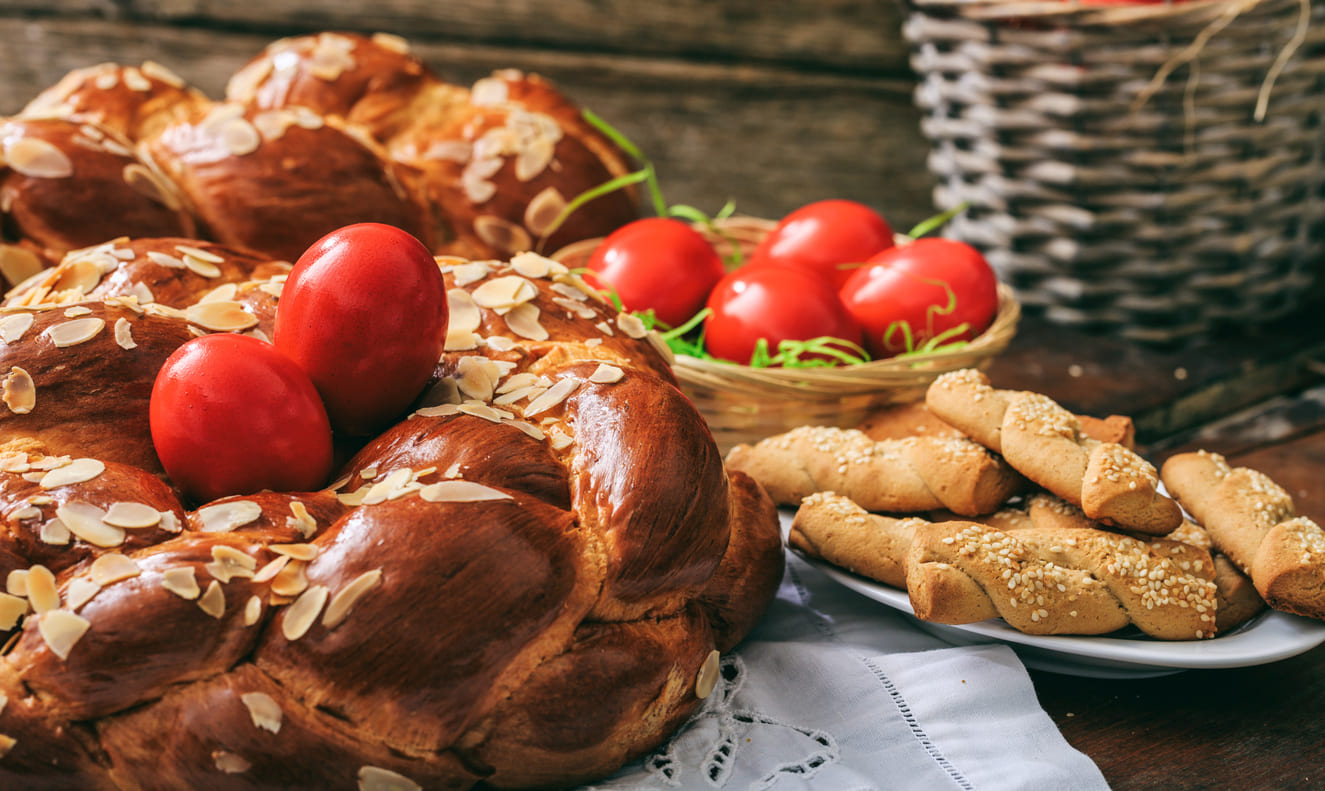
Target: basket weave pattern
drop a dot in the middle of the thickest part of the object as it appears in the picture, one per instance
(743, 404)
(1117, 174)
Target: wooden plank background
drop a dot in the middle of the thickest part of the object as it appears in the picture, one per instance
(770, 103)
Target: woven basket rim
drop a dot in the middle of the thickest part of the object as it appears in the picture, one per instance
(827, 383)
(843, 381)
(1102, 13)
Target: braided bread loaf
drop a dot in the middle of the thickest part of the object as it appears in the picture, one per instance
(317, 132)
(525, 582)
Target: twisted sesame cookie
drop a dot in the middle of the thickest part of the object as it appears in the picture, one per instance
(1044, 570)
(899, 476)
(1239, 600)
(1251, 519)
(1045, 442)
(913, 419)
(833, 528)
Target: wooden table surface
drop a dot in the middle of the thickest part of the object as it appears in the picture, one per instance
(1258, 396)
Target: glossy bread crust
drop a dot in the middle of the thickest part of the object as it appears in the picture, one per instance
(526, 581)
(314, 133)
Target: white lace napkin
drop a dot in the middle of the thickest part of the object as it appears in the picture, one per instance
(835, 691)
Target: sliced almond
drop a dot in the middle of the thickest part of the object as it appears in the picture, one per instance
(62, 630)
(182, 582)
(291, 580)
(213, 601)
(228, 516)
(165, 259)
(301, 520)
(14, 326)
(86, 521)
(543, 209)
(527, 428)
(534, 158)
(113, 567)
(16, 583)
(555, 395)
(461, 492)
(147, 182)
(55, 533)
(301, 615)
(229, 563)
(606, 374)
(464, 312)
(42, 592)
(504, 293)
(252, 610)
(304, 552)
(707, 678)
(19, 391)
(631, 325)
(268, 572)
(523, 321)
(240, 137)
(229, 763)
(502, 234)
(467, 272)
(80, 591)
(38, 159)
(11, 609)
(72, 333)
(263, 710)
(347, 597)
(200, 254)
(200, 267)
(221, 316)
(75, 472)
(226, 292)
(375, 778)
(18, 265)
(134, 516)
(124, 334)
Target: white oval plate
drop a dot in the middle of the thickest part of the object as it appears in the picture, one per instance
(1269, 637)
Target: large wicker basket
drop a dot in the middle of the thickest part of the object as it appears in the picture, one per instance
(1154, 170)
(744, 404)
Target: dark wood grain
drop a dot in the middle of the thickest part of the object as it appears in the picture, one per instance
(1168, 393)
(858, 35)
(1248, 728)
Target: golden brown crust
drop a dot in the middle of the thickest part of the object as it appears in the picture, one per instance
(1251, 519)
(175, 272)
(116, 351)
(898, 476)
(751, 568)
(554, 513)
(314, 133)
(370, 81)
(313, 174)
(131, 101)
(1045, 442)
(57, 178)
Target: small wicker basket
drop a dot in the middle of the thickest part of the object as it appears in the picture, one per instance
(1156, 170)
(743, 404)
